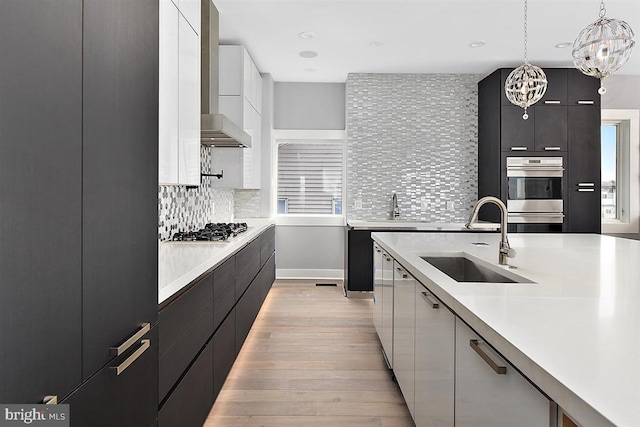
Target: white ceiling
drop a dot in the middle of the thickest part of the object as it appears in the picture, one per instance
(419, 36)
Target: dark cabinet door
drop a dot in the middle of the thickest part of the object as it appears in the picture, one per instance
(556, 93)
(224, 351)
(246, 310)
(190, 402)
(120, 173)
(40, 198)
(360, 260)
(584, 204)
(224, 290)
(582, 89)
(516, 134)
(129, 398)
(247, 266)
(550, 128)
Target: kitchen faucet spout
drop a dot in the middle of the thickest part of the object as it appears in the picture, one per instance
(505, 251)
(395, 211)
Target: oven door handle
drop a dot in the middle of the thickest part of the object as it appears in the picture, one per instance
(536, 217)
(535, 168)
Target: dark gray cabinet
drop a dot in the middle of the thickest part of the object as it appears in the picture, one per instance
(584, 181)
(78, 161)
(119, 174)
(203, 328)
(40, 198)
(565, 123)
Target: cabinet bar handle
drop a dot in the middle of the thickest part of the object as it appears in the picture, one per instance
(402, 272)
(434, 304)
(117, 351)
(144, 345)
(500, 370)
(582, 102)
(586, 184)
(552, 101)
(586, 189)
(551, 148)
(50, 400)
(388, 258)
(518, 148)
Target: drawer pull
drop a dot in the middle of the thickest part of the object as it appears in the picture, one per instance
(518, 148)
(551, 148)
(552, 102)
(586, 184)
(434, 304)
(144, 345)
(500, 370)
(582, 102)
(402, 273)
(586, 190)
(50, 400)
(117, 351)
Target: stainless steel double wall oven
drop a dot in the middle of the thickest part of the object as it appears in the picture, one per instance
(535, 194)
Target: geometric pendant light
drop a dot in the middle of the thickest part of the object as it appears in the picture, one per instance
(526, 84)
(603, 47)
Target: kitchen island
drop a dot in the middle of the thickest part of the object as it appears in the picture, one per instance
(572, 331)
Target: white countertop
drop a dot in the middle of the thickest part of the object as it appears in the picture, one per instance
(419, 225)
(180, 263)
(575, 332)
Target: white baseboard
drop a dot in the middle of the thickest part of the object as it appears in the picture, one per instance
(337, 274)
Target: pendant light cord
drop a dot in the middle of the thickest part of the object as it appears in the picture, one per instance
(526, 59)
(603, 10)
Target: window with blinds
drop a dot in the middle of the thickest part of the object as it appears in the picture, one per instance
(310, 178)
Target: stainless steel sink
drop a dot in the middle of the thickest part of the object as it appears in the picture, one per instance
(462, 269)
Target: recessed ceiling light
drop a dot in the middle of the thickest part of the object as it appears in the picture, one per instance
(307, 35)
(376, 43)
(308, 54)
(564, 45)
(478, 43)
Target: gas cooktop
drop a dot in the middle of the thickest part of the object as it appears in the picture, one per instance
(212, 232)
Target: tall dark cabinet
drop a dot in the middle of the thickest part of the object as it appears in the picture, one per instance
(564, 123)
(78, 162)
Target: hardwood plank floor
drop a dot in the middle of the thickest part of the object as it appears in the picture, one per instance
(313, 359)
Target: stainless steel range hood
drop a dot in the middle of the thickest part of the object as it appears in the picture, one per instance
(215, 129)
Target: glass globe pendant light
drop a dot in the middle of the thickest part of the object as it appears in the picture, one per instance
(526, 84)
(603, 47)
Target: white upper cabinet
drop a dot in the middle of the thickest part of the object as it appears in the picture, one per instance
(168, 93)
(190, 9)
(240, 88)
(239, 75)
(179, 97)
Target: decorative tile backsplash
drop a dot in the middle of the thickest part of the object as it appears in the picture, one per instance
(248, 204)
(415, 135)
(183, 209)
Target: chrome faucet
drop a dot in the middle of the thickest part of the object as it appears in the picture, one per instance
(395, 211)
(505, 251)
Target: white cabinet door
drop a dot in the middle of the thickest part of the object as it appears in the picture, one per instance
(189, 105)
(191, 11)
(258, 92)
(387, 307)
(486, 398)
(231, 71)
(253, 155)
(404, 310)
(434, 361)
(377, 289)
(168, 93)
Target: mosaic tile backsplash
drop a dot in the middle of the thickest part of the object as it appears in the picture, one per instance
(415, 135)
(248, 203)
(183, 209)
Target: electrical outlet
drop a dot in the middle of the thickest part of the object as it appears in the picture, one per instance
(358, 203)
(450, 205)
(424, 204)
(213, 208)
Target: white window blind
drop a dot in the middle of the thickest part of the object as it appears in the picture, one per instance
(310, 178)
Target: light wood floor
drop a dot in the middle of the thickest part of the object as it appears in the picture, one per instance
(311, 359)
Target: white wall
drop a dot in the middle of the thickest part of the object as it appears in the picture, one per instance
(309, 247)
